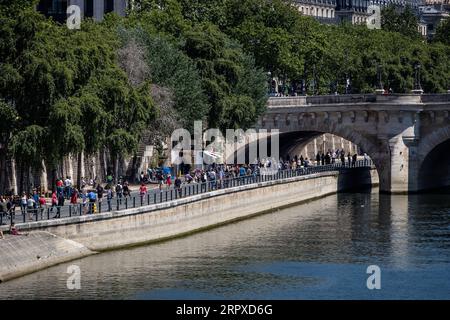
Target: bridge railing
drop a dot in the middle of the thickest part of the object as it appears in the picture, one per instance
(346, 98)
(427, 98)
(299, 101)
(157, 196)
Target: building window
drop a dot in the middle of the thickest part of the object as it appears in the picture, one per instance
(58, 7)
(89, 8)
(109, 6)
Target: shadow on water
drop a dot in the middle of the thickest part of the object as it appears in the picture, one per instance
(317, 250)
(355, 180)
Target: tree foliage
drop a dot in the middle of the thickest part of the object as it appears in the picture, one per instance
(67, 89)
(405, 22)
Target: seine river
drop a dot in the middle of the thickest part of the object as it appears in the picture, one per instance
(318, 250)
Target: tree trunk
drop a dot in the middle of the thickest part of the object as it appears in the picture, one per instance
(3, 173)
(21, 178)
(79, 171)
(54, 175)
(116, 167)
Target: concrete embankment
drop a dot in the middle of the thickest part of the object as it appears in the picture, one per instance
(20, 255)
(158, 222)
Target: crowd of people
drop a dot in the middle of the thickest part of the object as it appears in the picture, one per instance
(93, 193)
(36, 203)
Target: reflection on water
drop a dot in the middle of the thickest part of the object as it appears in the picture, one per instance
(319, 250)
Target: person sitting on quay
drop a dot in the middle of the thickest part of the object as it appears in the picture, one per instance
(14, 232)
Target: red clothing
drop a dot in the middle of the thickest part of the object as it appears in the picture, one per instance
(74, 198)
(143, 190)
(54, 198)
(169, 181)
(42, 201)
(59, 183)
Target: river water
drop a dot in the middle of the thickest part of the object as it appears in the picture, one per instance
(317, 250)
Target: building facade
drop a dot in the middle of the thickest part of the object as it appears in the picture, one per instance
(431, 16)
(322, 9)
(334, 11)
(95, 9)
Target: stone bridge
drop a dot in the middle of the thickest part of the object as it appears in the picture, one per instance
(407, 136)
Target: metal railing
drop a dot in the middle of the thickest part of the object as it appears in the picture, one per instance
(155, 196)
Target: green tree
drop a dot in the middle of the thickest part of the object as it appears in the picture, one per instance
(443, 32)
(404, 22)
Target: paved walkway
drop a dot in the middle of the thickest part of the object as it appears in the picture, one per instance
(155, 195)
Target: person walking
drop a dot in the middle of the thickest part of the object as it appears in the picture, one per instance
(178, 186)
(23, 203)
(42, 204)
(100, 192)
(109, 196)
(92, 196)
(169, 181)
(342, 158)
(366, 159)
(74, 200)
(119, 192)
(142, 191)
(31, 204)
(60, 205)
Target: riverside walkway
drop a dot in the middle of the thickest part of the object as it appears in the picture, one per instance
(156, 196)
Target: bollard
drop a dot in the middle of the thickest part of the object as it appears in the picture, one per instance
(134, 202)
(70, 211)
(126, 203)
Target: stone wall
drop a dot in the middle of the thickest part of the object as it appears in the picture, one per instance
(107, 231)
(21, 255)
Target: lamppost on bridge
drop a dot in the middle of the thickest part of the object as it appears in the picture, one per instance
(379, 89)
(269, 77)
(314, 80)
(348, 88)
(417, 86)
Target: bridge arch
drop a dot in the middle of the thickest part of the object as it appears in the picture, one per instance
(434, 160)
(299, 129)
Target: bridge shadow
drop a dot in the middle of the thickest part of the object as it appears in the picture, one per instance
(434, 172)
(355, 179)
